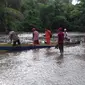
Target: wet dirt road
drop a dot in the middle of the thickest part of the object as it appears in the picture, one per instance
(44, 67)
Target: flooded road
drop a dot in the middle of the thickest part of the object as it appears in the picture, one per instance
(44, 67)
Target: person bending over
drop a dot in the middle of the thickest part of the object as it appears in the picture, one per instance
(14, 37)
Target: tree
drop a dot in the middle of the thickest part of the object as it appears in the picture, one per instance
(8, 15)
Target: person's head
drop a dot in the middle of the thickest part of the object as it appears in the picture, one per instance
(47, 29)
(33, 29)
(65, 30)
(60, 29)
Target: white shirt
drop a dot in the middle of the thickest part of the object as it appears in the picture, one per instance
(13, 35)
(65, 34)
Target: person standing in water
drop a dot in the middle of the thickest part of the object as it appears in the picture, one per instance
(35, 36)
(60, 40)
(48, 36)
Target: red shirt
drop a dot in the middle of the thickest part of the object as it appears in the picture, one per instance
(60, 37)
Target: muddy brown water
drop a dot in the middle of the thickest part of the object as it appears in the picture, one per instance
(44, 66)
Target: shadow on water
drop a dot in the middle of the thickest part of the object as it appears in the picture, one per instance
(49, 52)
(60, 59)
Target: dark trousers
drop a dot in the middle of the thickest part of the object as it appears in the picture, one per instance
(36, 42)
(60, 45)
(16, 42)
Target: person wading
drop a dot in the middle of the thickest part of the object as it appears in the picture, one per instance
(60, 40)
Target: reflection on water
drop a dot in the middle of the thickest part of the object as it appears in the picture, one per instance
(44, 67)
(35, 54)
(60, 59)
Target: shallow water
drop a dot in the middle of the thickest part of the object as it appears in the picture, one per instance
(44, 67)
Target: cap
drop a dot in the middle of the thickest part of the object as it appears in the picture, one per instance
(60, 29)
(33, 29)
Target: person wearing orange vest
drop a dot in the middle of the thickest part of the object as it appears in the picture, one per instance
(47, 36)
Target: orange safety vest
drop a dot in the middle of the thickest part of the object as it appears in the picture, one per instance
(47, 36)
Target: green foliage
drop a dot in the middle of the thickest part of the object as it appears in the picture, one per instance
(14, 13)
(60, 21)
(23, 15)
(8, 16)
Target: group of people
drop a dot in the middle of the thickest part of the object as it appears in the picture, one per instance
(48, 34)
(13, 36)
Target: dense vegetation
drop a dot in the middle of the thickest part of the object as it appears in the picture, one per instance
(23, 15)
